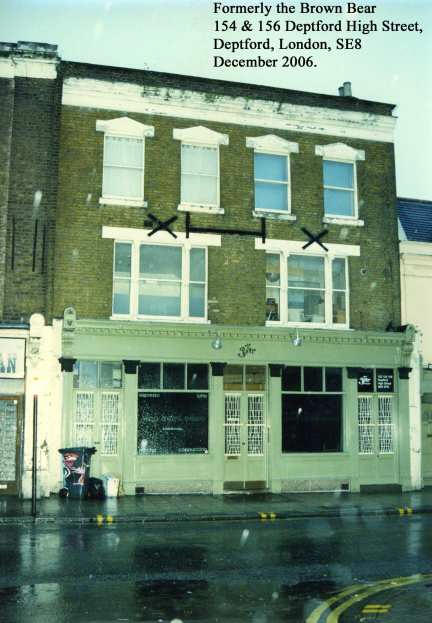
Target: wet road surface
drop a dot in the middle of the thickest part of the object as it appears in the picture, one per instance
(315, 570)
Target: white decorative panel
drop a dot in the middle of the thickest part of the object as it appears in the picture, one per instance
(256, 425)
(84, 418)
(365, 424)
(232, 424)
(8, 440)
(110, 422)
(385, 424)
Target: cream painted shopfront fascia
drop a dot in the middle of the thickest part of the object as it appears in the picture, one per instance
(218, 409)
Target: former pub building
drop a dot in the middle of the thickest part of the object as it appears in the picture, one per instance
(225, 261)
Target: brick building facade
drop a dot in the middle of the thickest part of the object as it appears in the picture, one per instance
(227, 256)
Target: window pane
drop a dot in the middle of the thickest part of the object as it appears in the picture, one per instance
(199, 189)
(122, 261)
(272, 269)
(339, 308)
(291, 378)
(311, 423)
(85, 374)
(110, 375)
(173, 423)
(271, 196)
(121, 296)
(160, 262)
(255, 378)
(333, 379)
(197, 265)
(339, 202)
(197, 376)
(197, 301)
(149, 376)
(270, 167)
(338, 272)
(199, 160)
(119, 182)
(173, 375)
(305, 272)
(233, 378)
(122, 151)
(338, 174)
(272, 304)
(159, 298)
(313, 379)
(306, 306)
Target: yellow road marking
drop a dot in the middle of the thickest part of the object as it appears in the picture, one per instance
(316, 614)
(263, 515)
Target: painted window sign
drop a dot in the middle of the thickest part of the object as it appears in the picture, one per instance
(12, 355)
(385, 380)
(365, 380)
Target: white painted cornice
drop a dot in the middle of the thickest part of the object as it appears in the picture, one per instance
(201, 135)
(129, 234)
(23, 67)
(339, 151)
(124, 126)
(296, 246)
(188, 104)
(272, 143)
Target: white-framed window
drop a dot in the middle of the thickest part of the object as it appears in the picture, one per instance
(340, 182)
(123, 161)
(200, 180)
(159, 278)
(306, 289)
(272, 177)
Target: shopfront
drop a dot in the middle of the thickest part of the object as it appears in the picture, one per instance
(169, 412)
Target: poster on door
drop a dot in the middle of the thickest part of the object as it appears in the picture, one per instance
(12, 355)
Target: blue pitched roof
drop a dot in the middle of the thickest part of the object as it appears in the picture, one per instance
(415, 216)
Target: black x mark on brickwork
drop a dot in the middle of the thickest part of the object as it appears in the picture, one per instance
(313, 238)
(160, 225)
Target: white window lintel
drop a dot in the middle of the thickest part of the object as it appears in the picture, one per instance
(272, 144)
(200, 135)
(129, 234)
(339, 151)
(124, 126)
(296, 246)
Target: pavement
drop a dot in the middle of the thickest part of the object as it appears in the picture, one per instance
(182, 507)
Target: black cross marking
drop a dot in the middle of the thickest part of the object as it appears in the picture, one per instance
(161, 225)
(313, 238)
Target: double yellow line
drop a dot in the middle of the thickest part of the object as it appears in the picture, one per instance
(359, 593)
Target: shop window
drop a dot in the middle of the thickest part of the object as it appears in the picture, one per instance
(306, 290)
(312, 409)
(375, 411)
(97, 405)
(172, 417)
(159, 281)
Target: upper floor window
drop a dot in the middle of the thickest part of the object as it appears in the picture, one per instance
(123, 161)
(199, 187)
(158, 280)
(340, 182)
(306, 289)
(272, 174)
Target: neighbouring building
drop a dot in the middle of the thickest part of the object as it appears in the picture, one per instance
(224, 259)
(415, 235)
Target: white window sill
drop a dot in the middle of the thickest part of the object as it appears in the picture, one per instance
(306, 325)
(203, 209)
(276, 216)
(171, 319)
(342, 220)
(133, 203)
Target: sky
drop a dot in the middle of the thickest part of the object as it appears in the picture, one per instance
(177, 36)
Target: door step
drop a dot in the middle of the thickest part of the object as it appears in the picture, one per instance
(249, 487)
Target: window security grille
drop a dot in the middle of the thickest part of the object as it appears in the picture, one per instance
(84, 418)
(385, 424)
(110, 422)
(255, 425)
(232, 424)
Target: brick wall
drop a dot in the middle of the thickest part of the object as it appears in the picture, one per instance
(83, 261)
(33, 108)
